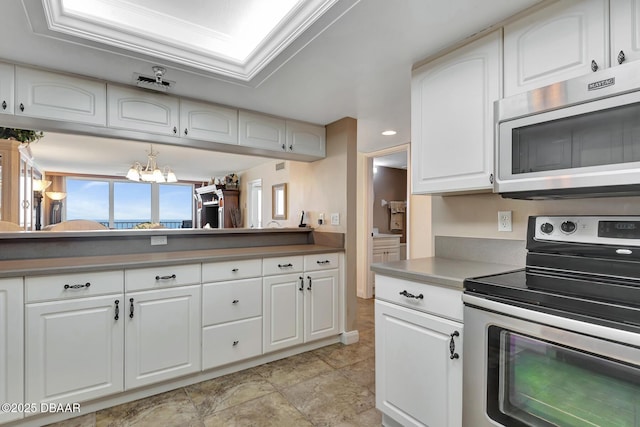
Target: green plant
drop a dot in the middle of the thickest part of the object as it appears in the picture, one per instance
(21, 135)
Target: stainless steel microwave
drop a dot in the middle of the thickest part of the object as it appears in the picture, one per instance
(577, 138)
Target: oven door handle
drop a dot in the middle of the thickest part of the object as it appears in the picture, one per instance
(452, 346)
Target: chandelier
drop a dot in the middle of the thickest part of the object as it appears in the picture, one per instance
(151, 172)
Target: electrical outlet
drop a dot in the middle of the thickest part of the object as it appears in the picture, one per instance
(335, 219)
(158, 240)
(504, 221)
(321, 219)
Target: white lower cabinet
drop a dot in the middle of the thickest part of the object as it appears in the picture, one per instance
(162, 334)
(232, 320)
(303, 306)
(418, 354)
(95, 334)
(321, 316)
(417, 382)
(11, 346)
(74, 349)
(283, 311)
(88, 338)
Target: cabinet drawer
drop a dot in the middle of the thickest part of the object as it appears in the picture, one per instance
(229, 301)
(231, 342)
(77, 285)
(438, 300)
(161, 277)
(230, 270)
(321, 262)
(386, 242)
(282, 265)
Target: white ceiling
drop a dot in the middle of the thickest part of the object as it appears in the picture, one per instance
(360, 66)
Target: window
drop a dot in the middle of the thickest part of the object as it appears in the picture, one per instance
(131, 203)
(87, 199)
(124, 204)
(176, 205)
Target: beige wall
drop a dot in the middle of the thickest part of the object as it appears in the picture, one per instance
(317, 187)
(477, 215)
(420, 227)
(389, 184)
(324, 186)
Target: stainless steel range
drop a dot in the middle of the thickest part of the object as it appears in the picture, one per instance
(558, 343)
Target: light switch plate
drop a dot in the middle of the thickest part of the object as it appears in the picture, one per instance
(335, 219)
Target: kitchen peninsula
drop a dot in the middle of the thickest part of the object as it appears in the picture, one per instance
(152, 310)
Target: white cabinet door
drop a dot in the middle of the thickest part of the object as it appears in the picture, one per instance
(283, 311)
(7, 83)
(74, 349)
(208, 122)
(452, 119)
(625, 31)
(417, 381)
(321, 305)
(59, 97)
(11, 346)
(556, 43)
(265, 132)
(142, 111)
(305, 138)
(163, 334)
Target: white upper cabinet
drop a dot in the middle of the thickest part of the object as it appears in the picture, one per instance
(142, 111)
(259, 131)
(7, 82)
(59, 97)
(452, 118)
(305, 138)
(625, 31)
(208, 122)
(569, 38)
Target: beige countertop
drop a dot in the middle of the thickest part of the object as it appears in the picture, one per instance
(440, 271)
(12, 268)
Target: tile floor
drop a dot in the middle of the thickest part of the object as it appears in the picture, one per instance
(331, 386)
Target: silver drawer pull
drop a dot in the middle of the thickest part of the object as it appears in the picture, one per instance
(86, 285)
(408, 295)
(173, 276)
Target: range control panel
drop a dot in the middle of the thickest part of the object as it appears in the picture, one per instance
(606, 230)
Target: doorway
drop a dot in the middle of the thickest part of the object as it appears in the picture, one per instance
(255, 203)
(382, 170)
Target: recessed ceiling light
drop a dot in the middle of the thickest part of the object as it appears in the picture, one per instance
(389, 132)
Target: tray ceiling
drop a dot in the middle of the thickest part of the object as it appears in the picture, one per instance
(233, 38)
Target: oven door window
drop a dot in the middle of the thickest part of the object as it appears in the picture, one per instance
(532, 382)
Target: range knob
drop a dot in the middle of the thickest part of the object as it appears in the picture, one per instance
(568, 227)
(546, 228)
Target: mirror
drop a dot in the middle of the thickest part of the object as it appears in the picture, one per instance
(279, 201)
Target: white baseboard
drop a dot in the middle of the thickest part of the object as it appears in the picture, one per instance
(350, 337)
